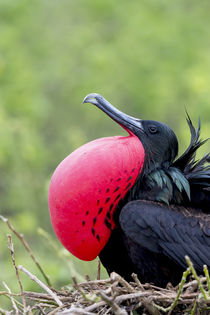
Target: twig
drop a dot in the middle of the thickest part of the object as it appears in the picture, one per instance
(122, 281)
(173, 305)
(41, 284)
(99, 270)
(11, 298)
(46, 297)
(11, 248)
(76, 286)
(193, 310)
(108, 311)
(145, 301)
(149, 306)
(154, 287)
(136, 279)
(95, 282)
(88, 297)
(27, 247)
(75, 310)
(116, 309)
(192, 269)
(119, 299)
(39, 306)
(47, 305)
(206, 272)
(55, 311)
(95, 306)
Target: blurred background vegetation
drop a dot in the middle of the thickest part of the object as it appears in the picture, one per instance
(150, 58)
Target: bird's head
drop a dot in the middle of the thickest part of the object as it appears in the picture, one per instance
(88, 185)
(158, 139)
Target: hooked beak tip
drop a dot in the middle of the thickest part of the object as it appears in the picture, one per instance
(92, 98)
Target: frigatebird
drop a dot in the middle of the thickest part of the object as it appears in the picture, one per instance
(129, 200)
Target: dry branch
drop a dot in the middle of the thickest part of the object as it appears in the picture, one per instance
(41, 284)
(11, 248)
(27, 247)
(11, 298)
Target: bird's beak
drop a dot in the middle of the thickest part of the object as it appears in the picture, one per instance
(129, 123)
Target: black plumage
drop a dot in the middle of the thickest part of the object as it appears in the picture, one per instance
(166, 214)
(170, 218)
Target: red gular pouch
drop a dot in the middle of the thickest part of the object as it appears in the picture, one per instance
(86, 188)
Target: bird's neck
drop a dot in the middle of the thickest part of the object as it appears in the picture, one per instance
(163, 185)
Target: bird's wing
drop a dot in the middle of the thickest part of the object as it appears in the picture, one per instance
(165, 230)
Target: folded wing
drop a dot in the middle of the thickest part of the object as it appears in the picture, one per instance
(171, 231)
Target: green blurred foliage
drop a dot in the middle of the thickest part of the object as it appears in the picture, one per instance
(149, 58)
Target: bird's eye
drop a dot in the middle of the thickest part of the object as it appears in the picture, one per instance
(152, 129)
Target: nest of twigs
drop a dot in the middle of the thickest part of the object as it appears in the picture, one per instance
(113, 296)
(110, 296)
